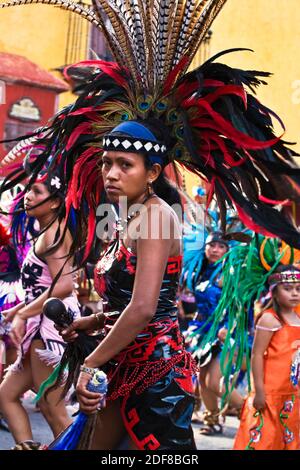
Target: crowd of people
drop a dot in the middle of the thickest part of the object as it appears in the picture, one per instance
(104, 157)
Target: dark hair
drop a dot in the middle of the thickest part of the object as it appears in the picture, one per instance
(166, 190)
(273, 302)
(162, 186)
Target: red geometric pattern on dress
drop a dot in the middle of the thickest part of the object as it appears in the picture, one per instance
(174, 265)
(174, 344)
(149, 442)
(140, 349)
(150, 439)
(174, 262)
(133, 418)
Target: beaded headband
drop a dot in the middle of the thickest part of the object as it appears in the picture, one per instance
(132, 144)
(132, 136)
(287, 276)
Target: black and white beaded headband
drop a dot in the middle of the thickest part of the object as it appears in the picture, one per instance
(133, 144)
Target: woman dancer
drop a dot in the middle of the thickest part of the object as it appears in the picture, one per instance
(40, 346)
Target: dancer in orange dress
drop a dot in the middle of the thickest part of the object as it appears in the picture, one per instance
(271, 414)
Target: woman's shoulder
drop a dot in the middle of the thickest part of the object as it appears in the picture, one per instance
(52, 234)
(269, 319)
(158, 205)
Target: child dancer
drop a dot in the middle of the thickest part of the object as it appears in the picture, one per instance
(270, 417)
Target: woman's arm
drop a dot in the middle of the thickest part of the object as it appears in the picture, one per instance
(151, 265)
(63, 287)
(8, 315)
(262, 338)
(89, 324)
(152, 256)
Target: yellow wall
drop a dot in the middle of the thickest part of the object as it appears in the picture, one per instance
(39, 32)
(271, 29)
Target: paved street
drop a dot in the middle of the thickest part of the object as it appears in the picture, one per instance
(42, 433)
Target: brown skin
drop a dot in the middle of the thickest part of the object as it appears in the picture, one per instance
(38, 193)
(214, 251)
(35, 371)
(128, 174)
(288, 297)
(44, 213)
(124, 174)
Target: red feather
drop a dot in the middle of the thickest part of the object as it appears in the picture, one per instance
(286, 202)
(83, 128)
(172, 77)
(4, 235)
(110, 68)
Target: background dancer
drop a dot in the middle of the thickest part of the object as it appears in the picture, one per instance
(11, 293)
(245, 275)
(40, 346)
(270, 417)
(204, 275)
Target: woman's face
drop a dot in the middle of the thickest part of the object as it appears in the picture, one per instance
(288, 294)
(38, 193)
(214, 251)
(125, 174)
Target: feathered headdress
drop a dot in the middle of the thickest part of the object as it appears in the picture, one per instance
(211, 123)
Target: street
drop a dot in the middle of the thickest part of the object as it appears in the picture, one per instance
(42, 433)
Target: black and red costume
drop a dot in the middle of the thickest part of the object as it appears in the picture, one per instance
(152, 376)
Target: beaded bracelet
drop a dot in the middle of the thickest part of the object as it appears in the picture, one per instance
(98, 319)
(88, 370)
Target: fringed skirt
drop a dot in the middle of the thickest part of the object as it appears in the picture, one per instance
(40, 327)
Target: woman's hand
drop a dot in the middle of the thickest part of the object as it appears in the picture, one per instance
(17, 331)
(84, 323)
(259, 401)
(9, 314)
(89, 401)
(222, 334)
